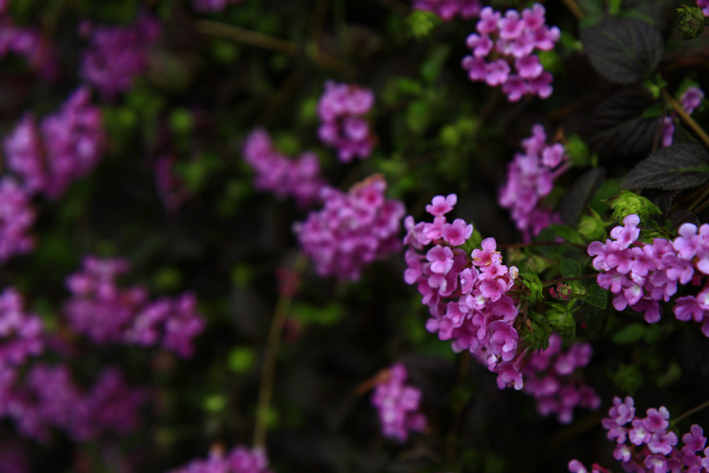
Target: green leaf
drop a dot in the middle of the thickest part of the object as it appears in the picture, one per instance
(629, 203)
(690, 21)
(628, 378)
(241, 359)
(681, 166)
(568, 233)
(534, 285)
(579, 195)
(630, 334)
(570, 268)
(597, 296)
(623, 50)
(433, 65)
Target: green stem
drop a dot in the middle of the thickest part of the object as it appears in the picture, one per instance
(574, 8)
(686, 118)
(269, 361)
(690, 412)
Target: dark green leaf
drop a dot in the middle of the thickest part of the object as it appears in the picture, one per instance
(617, 126)
(630, 334)
(681, 166)
(580, 194)
(570, 268)
(623, 50)
(567, 233)
(597, 296)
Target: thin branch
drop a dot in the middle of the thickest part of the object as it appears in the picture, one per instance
(260, 40)
(269, 362)
(574, 8)
(686, 118)
(690, 412)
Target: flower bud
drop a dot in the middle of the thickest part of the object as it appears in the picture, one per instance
(690, 22)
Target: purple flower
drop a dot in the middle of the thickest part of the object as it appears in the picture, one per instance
(212, 6)
(275, 172)
(514, 37)
(448, 9)
(397, 404)
(352, 230)
(117, 54)
(341, 109)
(457, 233)
(16, 218)
(21, 333)
(440, 205)
(530, 177)
(240, 459)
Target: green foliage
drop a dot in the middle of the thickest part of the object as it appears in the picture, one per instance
(241, 359)
(681, 166)
(628, 203)
(422, 23)
(628, 378)
(690, 21)
(631, 333)
(597, 296)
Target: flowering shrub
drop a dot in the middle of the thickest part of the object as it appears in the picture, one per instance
(309, 192)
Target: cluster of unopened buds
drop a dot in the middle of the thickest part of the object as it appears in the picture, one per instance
(690, 100)
(397, 404)
(512, 39)
(342, 108)
(298, 178)
(352, 229)
(239, 460)
(646, 444)
(641, 274)
(550, 376)
(106, 313)
(530, 177)
(466, 293)
(448, 9)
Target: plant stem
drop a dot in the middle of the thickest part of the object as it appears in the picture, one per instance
(555, 281)
(686, 118)
(269, 361)
(260, 40)
(574, 8)
(690, 412)
(693, 214)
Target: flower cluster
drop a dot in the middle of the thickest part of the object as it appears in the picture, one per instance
(342, 108)
(690, 100)
(549, 377)
(239, 460)
(48, 397)
(16, 218)
(514, 38)
(20, 332)
(213, 5)
(32, 45)
(352, 229)
(397, 404)
(645, 444)
(275, 172)
(530, 176)
(641, 274)
(466, 296)
(117, 54)
(447, 9)
(108, 314)
(70, 146)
